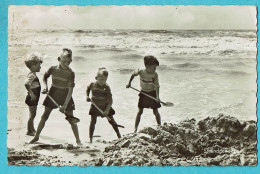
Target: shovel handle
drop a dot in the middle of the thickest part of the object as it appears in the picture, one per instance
(99, 109)
(53, 101)
(75, 119)
(146, 94)
(109, 119)
(143, 93)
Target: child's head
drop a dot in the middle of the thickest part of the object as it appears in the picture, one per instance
(151, 63)
(102, 75)
(65, 58)
(33, 62)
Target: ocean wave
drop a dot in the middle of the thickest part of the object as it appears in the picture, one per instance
(216, 71)
(97, 48)
(171, 42)
(131, 56)
(123, 33)
(187, 65)
(221, 72)
(125, 70)
(227, 52)
(117, 33)
(83, 31)
(244, 34)
(114, 49)
(235, 72)
(88, 46)
(160, 31)
(194, 67)
(165, 67)
(78, 58)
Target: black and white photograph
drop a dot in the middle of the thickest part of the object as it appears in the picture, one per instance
(132, 85)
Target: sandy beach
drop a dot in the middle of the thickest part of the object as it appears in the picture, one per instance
(214, 141)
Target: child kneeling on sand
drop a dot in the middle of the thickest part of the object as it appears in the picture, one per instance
(33, 87)
(149, 85)
(102, 98)
(61, 91)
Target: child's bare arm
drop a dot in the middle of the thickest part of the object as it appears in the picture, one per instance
(110, 102)
(157, 87)
(87, 94)
(45, 83)
(71, 85)
(157, 93)
(28, 88)
(88, 91)
(131, 79)
(30, 79)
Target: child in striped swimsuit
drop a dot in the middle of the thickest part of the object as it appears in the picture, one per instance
(102, 97)
(150, 85)
(61, 91)
(33, 87)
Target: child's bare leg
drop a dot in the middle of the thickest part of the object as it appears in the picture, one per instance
(41, 125)
(138, 117)
(74, 127)
(157, 116)
(113, 122)
(92, 127)
(30, 125)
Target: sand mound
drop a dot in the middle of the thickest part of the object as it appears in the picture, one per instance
(221, 140)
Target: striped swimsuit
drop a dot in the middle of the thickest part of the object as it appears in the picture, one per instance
(62, 79)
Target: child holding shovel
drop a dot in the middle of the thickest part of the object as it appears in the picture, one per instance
(101, 101)
(150, 87)
(61, 92)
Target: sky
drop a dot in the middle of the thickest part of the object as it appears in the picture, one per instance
(132, 17)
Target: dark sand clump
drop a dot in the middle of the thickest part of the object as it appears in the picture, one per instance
(220, 141)
(32, 158)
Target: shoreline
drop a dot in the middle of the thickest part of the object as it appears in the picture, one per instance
(213, 141)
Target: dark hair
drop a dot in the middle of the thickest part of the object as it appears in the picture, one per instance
(102, 71)
(65, 52)
(150, 60)
(33, 59)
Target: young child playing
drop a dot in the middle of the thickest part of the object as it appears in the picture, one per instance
(150, 85)
(61, 91)
(102, 97)
(33, 87)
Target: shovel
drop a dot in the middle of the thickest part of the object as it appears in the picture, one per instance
(68, 117)
(109, 119)
(167, 104)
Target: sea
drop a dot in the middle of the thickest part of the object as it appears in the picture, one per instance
(203, 72)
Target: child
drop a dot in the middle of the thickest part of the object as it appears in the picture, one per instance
(102, 97)
(61, 91)
(33, 87)
(150, 85)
